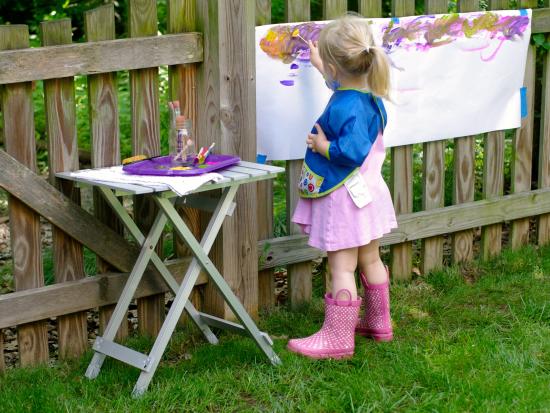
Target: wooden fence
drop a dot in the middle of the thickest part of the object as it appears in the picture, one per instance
(210, 54)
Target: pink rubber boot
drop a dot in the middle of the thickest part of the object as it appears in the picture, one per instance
(376, 320)
(336, 338)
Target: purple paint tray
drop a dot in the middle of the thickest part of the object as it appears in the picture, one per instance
(165, 166)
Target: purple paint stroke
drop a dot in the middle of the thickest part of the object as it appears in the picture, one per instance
(423, 33)
(294, 66)
(287, 82)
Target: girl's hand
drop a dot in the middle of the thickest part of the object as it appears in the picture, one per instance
(314, 57)
(318, 142)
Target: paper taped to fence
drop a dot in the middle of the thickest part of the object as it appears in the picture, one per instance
(452, 75)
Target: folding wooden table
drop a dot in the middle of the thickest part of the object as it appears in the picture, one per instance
(233, 177)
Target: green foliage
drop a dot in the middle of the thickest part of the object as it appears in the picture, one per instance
(540, 40)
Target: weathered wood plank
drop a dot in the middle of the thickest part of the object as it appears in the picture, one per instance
(45, 200)
(464, 173)
(182, 87)
(297, 10)
(522, 146)
(209, 130)
(333, 9)
(263, 12)
(370, 8)
(264, 190)
(541, 20)
(99, 25)
(79, 295)
(543, 230)
(144, 92)
(238, 127)
(493, 174)
(433, 177)
(401, 177)
(299, 275)
(18, 115)
(418, 225)
(99, 57)
(2, 362)
(60, 107)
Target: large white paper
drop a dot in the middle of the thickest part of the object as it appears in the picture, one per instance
(452, 75)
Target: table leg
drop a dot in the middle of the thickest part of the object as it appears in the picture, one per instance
(201, 253)
(147, 249)
(189, 280)
(129, 223)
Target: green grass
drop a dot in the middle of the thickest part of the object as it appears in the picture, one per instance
(478, 342)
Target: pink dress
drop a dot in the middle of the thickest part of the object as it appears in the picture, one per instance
(334, 222)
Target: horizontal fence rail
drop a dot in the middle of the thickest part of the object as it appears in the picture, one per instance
(99, 57)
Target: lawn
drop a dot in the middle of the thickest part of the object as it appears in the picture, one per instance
(473, 339)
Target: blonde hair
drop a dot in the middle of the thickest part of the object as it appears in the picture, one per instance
(348, 44)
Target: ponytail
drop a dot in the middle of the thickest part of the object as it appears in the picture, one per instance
(378, 74)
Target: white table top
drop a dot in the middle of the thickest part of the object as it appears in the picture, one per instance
(240, 173)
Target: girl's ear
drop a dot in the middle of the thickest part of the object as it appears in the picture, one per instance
(332, 71)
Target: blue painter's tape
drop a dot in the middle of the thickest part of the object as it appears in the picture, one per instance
(523, 12)
(395, 20)
(523, 93)
(260, 158)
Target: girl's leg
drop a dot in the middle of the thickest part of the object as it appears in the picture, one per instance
(342, 264)
(376, 320)
(336, 338)
(370, 263)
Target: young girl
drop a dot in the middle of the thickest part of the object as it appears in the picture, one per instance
(345, 205)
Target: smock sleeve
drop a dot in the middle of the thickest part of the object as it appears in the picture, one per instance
(355, 139)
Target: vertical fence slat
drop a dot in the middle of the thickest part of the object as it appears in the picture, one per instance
(209, 130)
(17, 106)
(464, 173)
(522, 148)
(60, 107)
(99, 24)
(144, 90)
(493, 174)
(401, 178)
(333, 9)
(543, 230)
(266, 280)
(433, 177)
(2, 362)
(299, 275)
(226, 82)
(238, 126)
(370, 8)
(182, 87)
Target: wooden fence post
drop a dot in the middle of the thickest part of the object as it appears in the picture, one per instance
(144, 90)
(2, 362)
(17, 106)
(227, 116)
(266, 280)
(543, 230)
(464, 173)
(433, 177)
(370, 8)
(401, 178)
(299, 275)
(493, 174)
(60, 106)
(99, 24)
(182, 80)
(522, 148)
